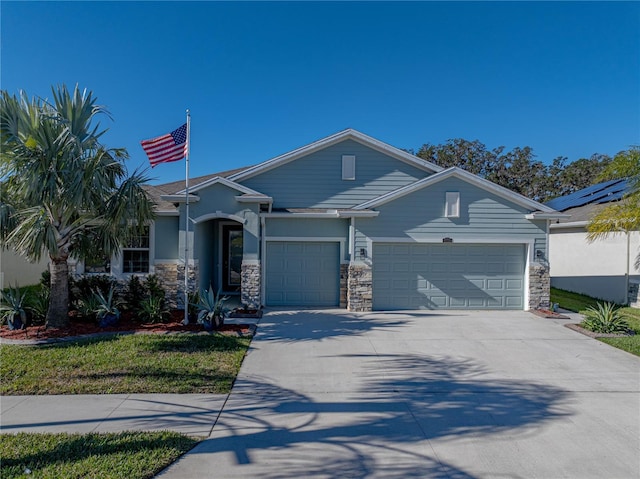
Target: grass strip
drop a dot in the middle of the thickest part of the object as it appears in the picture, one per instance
(144, 363)
(580, 302)
(126, 455)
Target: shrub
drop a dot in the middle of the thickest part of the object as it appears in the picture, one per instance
(134, 294)
(153, 286)
(88, 307)
(154, 310)
(87, 285)
(605, 318)
(39, 305)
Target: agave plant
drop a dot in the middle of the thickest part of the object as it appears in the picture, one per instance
(107, 311)
(153, 310)
(605, 318)
(212, 310)
(13, 308)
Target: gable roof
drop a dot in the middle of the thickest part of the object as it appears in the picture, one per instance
(175, 187)
(348, 134)
(223, 181)
(600, 193)
(455, 172)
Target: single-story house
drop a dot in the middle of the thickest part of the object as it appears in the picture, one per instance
(606, 268)
(348, 221)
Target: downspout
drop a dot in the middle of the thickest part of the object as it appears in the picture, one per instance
(626, 291)
(263, 257)
(352, 238)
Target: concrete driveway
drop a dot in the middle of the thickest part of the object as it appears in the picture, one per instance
(330, 394)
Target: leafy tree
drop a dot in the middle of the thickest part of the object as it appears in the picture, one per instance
(63, 193)
(517, 169)
(624, 215)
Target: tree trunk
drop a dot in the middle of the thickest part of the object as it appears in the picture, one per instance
(58, 312)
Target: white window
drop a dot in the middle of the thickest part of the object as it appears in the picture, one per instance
(452, 204)
(348, 167)
(135, 255)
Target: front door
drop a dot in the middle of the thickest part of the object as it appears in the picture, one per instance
(232, 257)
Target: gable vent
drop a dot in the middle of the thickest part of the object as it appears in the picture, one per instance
(348, 167)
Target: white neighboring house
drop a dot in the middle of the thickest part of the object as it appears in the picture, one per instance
(606, 268)
(17, 271)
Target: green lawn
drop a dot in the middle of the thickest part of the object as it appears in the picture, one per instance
(145, 363)
(127, 455)
(579, 303)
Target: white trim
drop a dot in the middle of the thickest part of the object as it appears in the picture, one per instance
(537, 215)
(224, 181)
(358, 214)
(217, 215)
(167, 213)
(348, 134)
(452, 204)
(310, 239)
(348, 167)
(254, 199)
(527, 272)
(330, 214)
(574, 224)
(464, 176)
(263, 258)
(218, 267)
(180, 198)
(465, 240)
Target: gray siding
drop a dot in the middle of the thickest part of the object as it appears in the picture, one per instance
(307, 227)
(166, 237)
(316, 228)
(420, 215)
(315, 181)
(221, 198)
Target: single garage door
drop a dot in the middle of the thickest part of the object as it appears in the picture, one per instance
(448, 276)
(301, 273)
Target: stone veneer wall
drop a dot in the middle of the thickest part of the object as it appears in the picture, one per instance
(250, 285)
(539, 286)
(344, 278)
(360, 288)
(194, 277)
(634, 293)
(167, 273)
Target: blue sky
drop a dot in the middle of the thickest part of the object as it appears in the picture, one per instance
(264, 78)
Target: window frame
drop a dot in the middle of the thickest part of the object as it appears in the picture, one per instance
(348, 167)
(452, 204)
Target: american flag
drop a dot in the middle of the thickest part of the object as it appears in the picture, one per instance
(165, 148)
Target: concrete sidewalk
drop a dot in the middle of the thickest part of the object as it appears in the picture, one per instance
(191, 414)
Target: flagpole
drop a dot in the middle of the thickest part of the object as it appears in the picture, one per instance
(186, 229)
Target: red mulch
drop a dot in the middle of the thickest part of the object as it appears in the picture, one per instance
(80, 327)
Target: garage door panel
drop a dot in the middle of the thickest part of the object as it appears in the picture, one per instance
(455, 276)
(302, 274)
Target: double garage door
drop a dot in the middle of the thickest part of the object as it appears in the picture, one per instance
(448, 276)
(301, 273)
(405, 275)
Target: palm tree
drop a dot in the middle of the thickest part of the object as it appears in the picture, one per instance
(623, 215)
(62, 193)
(620, 217)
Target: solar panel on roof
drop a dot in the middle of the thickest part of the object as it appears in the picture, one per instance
(600, 193)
